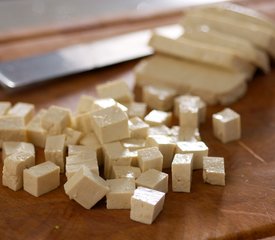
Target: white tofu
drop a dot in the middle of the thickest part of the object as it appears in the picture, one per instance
(4, 107)
(41, 179)
(188, 135)
(118, 90)
(227, 125)
(166, 146)
(77, 149)
(202, 52)
(222, 86)
(56, 119)
(86, 188)
(55, 150)
(10, 148)
(110, 124)
(199, 150)
(125, 172)
(83, 122)
(190, 101)
(121, 191)
(159, 130)
(158, 118)
(72, 136)
(115, 155)
(146, 205)
(103, 103)
(188, 117)
(24, 110)
(13, 169)
(213, 170)
(136, 109)
(36, 134)
(133, 144)
(159, 98)
(182, 167)
(90, 140)
(150, 158)
(12, 128)
(138, 128)
(153, 179)
(85, 104)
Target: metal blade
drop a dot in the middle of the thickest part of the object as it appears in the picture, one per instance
(78, 58)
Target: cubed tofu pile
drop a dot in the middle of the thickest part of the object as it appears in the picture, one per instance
(131, 142)
(215, 51)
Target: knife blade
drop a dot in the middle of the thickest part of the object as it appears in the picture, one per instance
(79, 58)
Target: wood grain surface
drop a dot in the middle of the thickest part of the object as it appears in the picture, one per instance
(243, 209)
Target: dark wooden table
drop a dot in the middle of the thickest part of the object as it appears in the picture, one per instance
(243, 209)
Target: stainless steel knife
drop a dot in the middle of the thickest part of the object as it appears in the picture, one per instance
(79, 58)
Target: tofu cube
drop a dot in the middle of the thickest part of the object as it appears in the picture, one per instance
(188, 117)
(55, 150)
(190, 101)
(83, 122)
(12, 128)
(150, 158)
(118, 90)
(121, 191)
(133, 144)
(189, 135)
(13, 169)
(4, 107)
(159, 130)
(182, 172)
(227, 125)
(153, 179)
(138, 128)
(103, 103)
(110, 124)
(199, 150)
(86, 188)
(72, 136)
(36, 134)
(85, 104)
(10, 148)
(41, 179)
(78, 149)
(166, 146)
(56, 119)
(146, 205)
(158, 118)
(213, 170)
(159, 98)
(125, 172)
(136, 109)
(115, 155)
(24, 110)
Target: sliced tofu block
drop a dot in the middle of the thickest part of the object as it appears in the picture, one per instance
(10, 148)
(150, 158)
(55, 150)
(86, 188)
(136, 109)
(213, 170)
(199, 150)
(118, 90)
(85, 104)
(4, 107)
(158, 118)
(159, 98)
(153, 179)
(146, 205)
(35, 132)
(227, 125)
(125, 172)
(202, 52)
(12, 128)
(110, 124)
(221, 86)
(262, 38)
(24, 110)
(138, 128)
(41, 179)
(121, 191)
(72, 136)
(56, 119)
(182, 168)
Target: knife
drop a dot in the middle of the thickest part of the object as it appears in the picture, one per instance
(79, 58)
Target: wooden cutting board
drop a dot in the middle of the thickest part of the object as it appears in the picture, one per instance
(243, 209)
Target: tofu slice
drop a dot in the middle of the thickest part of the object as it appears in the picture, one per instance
(201, 52)
(221, 86)
(262, 38)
